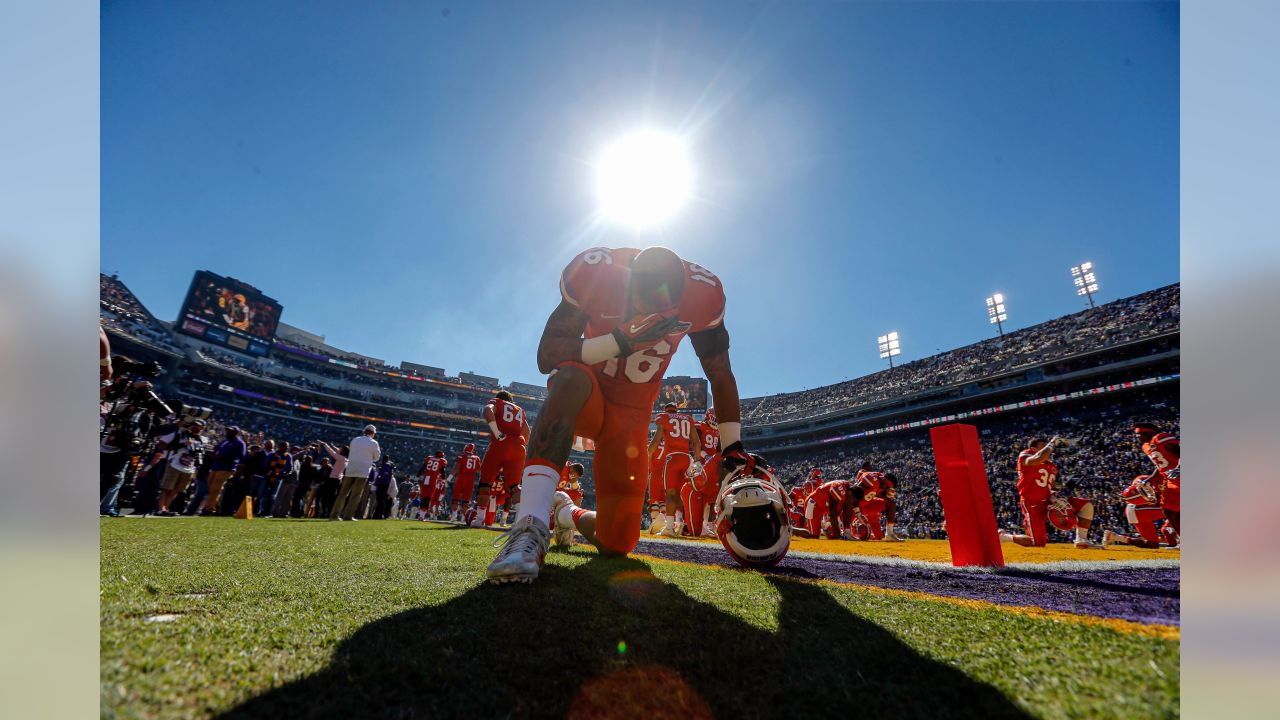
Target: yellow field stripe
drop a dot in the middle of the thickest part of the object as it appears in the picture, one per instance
(939, 551)
(1163, 632)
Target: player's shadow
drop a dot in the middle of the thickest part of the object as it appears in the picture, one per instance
(607, 639)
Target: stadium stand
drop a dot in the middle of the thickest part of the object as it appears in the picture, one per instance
(122, 314)
(1140, 317)
(1102, 462)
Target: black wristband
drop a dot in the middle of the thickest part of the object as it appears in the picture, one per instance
(624, 344)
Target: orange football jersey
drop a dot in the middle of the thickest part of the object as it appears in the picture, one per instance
(596, 283)
(677, 433)
(1035, 482)
(509, 418)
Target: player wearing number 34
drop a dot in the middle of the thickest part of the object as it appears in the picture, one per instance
(621, 317)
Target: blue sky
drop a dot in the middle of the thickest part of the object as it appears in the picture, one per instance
(408, 179)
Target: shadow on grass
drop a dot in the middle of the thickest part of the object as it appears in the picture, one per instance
(607, 639)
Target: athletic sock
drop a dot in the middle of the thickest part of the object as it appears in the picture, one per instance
(671, 523)
(564, 518)
(537, 490)
(1006, 537)
(1082, 535)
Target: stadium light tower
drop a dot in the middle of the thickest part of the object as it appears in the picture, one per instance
(1086, 282)
(996, 313)
(889, 347)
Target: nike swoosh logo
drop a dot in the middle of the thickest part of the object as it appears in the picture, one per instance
(637, 328)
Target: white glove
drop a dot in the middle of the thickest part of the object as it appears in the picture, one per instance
(694, 470)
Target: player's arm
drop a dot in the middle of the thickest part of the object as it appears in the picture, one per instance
(712, 347)
(562, 338)
(1039, 456)
(833, 511)
(653, 442)
(524, 427)
(492, 421)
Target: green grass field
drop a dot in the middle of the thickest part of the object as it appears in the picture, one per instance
(278, 618)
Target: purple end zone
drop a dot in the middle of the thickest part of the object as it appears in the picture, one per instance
(1150, 596)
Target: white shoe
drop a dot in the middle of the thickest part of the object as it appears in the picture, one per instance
(890, 537)
(656, 526)
(1087, 546)
(520, 559)
(669, 531)
(561, 534)
(709, 529)
(1109, 538)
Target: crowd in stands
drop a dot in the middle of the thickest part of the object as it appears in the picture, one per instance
(121, 312)
(360, 385)
(1104, 460)
(1123, 321)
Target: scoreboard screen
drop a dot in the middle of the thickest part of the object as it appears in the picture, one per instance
(228, 312)
(688, 393)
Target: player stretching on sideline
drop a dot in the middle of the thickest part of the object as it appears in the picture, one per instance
(463, 479)
(679, 436)
(622, 315)
(430, 472)
(1037, 475)
(509, 432)
(698, 493)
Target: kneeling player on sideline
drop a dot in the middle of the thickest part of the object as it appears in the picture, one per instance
(879, 490)
(1143, 511)
(1037, 476)
(607, 345)
(570, 482)
(1166, 454)
(836, 501)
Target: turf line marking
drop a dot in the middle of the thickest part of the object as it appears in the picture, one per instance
(1128, 627)
(1033, 567)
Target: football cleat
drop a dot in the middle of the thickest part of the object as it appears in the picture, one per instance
(1088, 546)
(1109, 538)
(669, 530)
(520, 559)
(563, 535)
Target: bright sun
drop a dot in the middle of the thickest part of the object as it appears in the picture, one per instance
(643, 179)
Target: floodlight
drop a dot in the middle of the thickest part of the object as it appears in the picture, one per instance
(1085, 281)
(889, 346)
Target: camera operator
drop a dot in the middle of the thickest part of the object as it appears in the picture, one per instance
(130, 422)
(181, 451)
